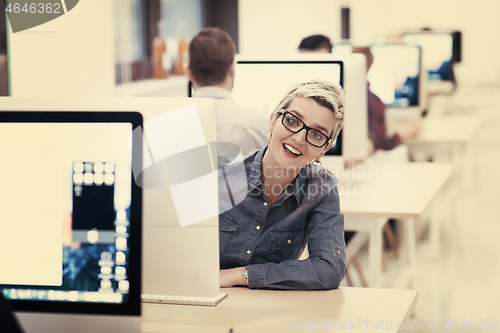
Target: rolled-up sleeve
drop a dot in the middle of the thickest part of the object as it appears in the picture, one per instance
(324, 269)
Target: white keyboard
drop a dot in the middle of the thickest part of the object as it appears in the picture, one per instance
(183, 300)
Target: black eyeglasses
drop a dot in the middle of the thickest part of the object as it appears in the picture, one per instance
(295, 125)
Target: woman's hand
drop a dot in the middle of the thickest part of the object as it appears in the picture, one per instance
(232, 277)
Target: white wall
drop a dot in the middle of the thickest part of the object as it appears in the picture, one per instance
(277, 26)
(478, 22)
(71, 56)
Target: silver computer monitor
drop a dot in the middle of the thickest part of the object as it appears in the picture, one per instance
(440, 50)
(181, 234)
(437, 53)
(355, 130)
(70, 233)
(395, 77)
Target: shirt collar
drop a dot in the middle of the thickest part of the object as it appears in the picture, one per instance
(255, 167)
(212, 92)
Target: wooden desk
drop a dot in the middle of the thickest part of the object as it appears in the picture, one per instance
(448, 129)
(449, 139)
(252, 311)
(395, 191)
(384, 191)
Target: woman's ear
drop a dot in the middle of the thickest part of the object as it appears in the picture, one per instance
(328, 147)
(272, 122)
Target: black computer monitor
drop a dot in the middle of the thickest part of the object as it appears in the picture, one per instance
(70, 235)
(395, 75)
(440, 50)
(261, 84)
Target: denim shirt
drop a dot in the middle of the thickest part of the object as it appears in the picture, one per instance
(269, 239)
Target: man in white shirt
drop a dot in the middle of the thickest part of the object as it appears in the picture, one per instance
(211, 70)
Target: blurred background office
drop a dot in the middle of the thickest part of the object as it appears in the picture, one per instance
(138, 48)
(257, 27)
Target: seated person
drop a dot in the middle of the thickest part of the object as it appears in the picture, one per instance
(291, 200)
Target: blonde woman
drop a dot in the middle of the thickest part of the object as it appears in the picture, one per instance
(291, 201)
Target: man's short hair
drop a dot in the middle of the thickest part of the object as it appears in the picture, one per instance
(211, 53)
(316, 42)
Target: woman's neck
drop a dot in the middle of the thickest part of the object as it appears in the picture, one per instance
(275, 178)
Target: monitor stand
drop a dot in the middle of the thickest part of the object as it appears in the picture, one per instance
(184, 300)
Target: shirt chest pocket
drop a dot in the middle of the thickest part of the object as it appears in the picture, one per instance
(227, 228)
(286, 244)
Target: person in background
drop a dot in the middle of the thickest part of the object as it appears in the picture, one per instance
(8, 323)
(211, 69)
(315, 44)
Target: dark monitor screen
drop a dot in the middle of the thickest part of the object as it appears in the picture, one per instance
(261, 84)
(437, 53)
(457, 46)
(72, 243)
(395, 74)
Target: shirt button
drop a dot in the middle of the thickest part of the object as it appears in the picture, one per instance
(289, 241)
(248, 251)
(257, 227)
(265, 203)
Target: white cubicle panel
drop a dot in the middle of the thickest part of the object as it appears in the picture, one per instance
(70, 56)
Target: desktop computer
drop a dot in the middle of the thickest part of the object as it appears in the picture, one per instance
(70, 235)
(262, 81)
(440, 51)
(180, 242)
(396, 78)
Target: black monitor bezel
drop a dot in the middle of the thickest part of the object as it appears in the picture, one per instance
(133, 306)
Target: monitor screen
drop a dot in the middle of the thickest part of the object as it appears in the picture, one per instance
(437, 54)
(72, 243)
(395, 73)
(261, 85)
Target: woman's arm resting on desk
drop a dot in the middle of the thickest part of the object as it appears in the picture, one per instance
(232, 277)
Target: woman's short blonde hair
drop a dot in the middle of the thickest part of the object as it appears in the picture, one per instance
(326, 94)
